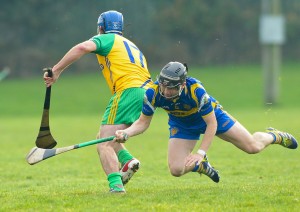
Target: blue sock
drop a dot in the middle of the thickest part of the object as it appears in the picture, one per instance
(196, 167)
(274, 137)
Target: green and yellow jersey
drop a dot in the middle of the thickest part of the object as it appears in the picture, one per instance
(122, 63)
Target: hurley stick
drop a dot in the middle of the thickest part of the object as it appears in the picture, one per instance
(38, 154)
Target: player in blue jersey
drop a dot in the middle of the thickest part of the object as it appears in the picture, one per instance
(192, 112)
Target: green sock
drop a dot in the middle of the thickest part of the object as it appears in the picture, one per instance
(124, 156)
(115, 181)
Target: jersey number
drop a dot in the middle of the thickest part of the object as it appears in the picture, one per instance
(130, 55)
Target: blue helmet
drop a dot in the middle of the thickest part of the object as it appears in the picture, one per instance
(111, 22)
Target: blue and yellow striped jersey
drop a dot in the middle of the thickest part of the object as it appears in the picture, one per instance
(186, 110)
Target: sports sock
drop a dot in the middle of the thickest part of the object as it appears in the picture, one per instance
(197, 167)
(124, 156)
(115, 181)
(277, 139)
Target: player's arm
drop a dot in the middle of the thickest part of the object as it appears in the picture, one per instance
(207, 112)
(138, 127)
(71, 56)
(211, 128)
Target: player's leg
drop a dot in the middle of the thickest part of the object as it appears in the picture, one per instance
(129, 110)
(238, 135)
(108, 157)
(178, 150)
(124, 108)
(181, 144)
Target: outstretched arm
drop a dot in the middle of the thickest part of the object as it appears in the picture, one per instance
(208, 137)
(71, 56)
(138, 127)
(210, 131)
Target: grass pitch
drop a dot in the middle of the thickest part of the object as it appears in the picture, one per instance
(74, 181)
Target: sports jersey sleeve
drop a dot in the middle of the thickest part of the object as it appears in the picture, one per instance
(104, 43)
(205, 103)
(148, 107)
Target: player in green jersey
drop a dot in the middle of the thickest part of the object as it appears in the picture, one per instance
(125, 70)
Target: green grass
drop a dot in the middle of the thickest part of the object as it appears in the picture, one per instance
(74, 181)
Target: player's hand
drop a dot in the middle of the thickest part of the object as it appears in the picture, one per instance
(121, 136)
(193, 159)
(49, 80)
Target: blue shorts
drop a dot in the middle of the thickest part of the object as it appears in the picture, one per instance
(225, 122)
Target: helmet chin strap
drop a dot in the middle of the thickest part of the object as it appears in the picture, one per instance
(180, 90)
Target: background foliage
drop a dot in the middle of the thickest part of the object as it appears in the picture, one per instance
(36, 34)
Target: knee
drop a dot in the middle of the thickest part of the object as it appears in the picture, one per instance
(176, 171)
(254, 146)
(253, 150)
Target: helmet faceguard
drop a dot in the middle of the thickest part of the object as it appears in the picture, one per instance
(172, 77)
(111, 22)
